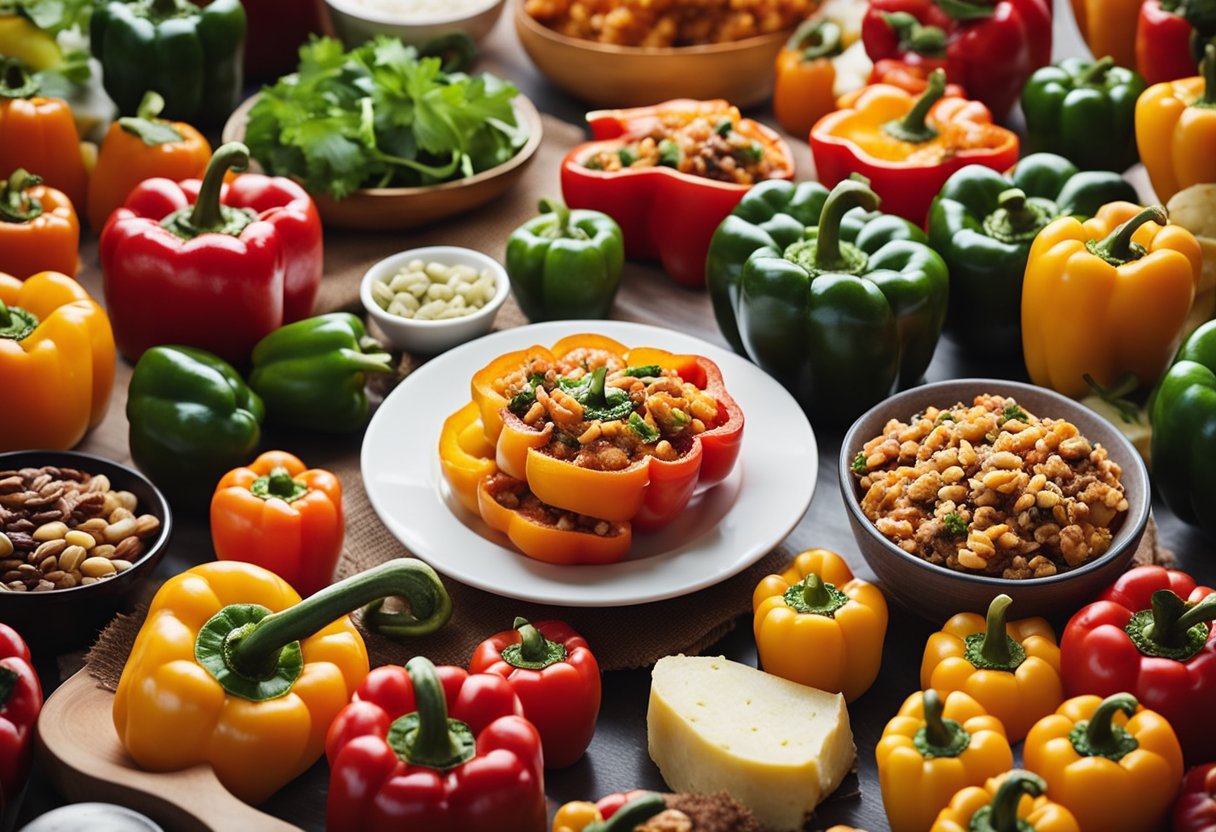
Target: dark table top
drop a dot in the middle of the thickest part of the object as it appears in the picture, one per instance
(617, 759)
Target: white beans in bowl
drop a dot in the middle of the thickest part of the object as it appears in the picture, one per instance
(434, 291)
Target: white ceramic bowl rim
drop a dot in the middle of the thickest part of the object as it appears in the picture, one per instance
(353, 9)
(1124, 453)
(439, 254)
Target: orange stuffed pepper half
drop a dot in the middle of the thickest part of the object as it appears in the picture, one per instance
(567, 450)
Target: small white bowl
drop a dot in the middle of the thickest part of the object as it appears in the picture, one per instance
(356, 24)
(431, 337)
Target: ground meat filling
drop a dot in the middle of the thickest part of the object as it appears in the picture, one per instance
(640, 411)
(991, 489)
(514, 495)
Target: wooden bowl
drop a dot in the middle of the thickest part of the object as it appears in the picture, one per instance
(936, 592)
(606, 75)
(397, 208)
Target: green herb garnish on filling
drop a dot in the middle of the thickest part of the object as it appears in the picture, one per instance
(645, 371)
(593, 163)
(955, 524)
(627, 156)
(680, 419)
(724, 127)
(669, 153)
(522, 401)
(1012, 411)
(859, 463)
(945, 416)
(644, 431)
(752, 153)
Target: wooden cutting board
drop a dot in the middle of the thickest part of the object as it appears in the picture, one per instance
(80, 750)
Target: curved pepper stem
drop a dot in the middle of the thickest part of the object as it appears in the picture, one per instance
(255, 654)
(534, 651)
(16, 80)
(562, 227)
(16, 205)
(1099, 736)
(145, 125)
(940, 737)
(815, 596)
(1001, 815)
(962, 10)
(831, 255)
(150, 106)
(278, 483)
(16, 324)
(817, 39)
(428, 737)
(209, 216)
(1207, 68)
(1095, 74)
(1172, 628)
(914, 126)
(914, 36)
(1117, 248)
(995, 649)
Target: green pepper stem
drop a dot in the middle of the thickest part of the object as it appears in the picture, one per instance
(15, 204)
(207, 215)
(16, 324)
(1095, 73)
(1117, 247)
(817, 39)
(1207, 68)
(995, 647)
(531, 640)
(533, 651)
(1004, 815)
(1171, 618)
(281, 484)
(1101, 734)
(962, 10)
(150, 106)
(433, 745)
(407, 577)
(936, 731)
(847, 195)
(8, 683)
(814, 593)
(913, 35)
(165, 8)
(914, 126)
(556, 206)
(1020, 216)
(16, 81)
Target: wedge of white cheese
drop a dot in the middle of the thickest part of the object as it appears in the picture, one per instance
(778, 747)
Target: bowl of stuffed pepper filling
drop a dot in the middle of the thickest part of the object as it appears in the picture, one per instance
(958, 491)
(567, 450)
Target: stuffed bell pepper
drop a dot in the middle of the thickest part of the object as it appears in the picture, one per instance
(211, 265)
(908, 146)
(668, 174)
(840, 304)
(1176, 130)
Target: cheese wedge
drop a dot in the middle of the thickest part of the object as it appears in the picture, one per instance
(778, 747)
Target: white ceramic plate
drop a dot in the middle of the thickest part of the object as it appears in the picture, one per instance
(724, 530)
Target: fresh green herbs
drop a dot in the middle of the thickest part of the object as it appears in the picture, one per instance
(380, 116)
(598, 400)
(751, 153)
(645, 371)
(1012, 411)
(859, 463)
(680, 419)
(644, 431)
(955, 524)
(669, 154)
(724, 127)
(945, 416)
(627, 157)
(522, 401)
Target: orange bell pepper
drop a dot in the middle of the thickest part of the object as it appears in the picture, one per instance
(1013, 802)
(817, 625)
(39, 134)
(140, 147)
(57, 360)
(1107, 297)
(281, 516)
(1176, 130)
(38, 227)
(465, 455)
(1012, 669)
(1109, 27)
(823, 60)
(1115, 765)
(933, 748)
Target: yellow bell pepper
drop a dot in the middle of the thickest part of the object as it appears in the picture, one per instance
(932, 749)
(1107, 297)
(1176, 130)
(232, 669)
(1109, 27)
(1013, 802)
(576, 816)
(1012, 669)
(465, 454)
(1115, 765)
(817, 625)
(56, 359)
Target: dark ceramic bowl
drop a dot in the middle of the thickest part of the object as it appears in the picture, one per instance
(65, 619)
(936, 592)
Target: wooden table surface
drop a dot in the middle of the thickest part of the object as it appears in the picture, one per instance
(617, 759)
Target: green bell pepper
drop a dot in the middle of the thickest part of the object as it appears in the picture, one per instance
(1084, 111)
(1183, 415)
(311, 373)
(565, 264)
(840, 305)
(983, 223)
(191, 55)
(191, 419)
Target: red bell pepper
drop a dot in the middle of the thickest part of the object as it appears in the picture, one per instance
(422, 747)
(1195, 810)
(1148, 635)
(211, 265)
(20, 701)
(552, 671)
(990, 48)
(664, 213)
(1163, 43)
(913, 77)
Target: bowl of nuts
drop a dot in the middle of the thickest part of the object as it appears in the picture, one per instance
(961, 490)
(430, 299)
(78, 536)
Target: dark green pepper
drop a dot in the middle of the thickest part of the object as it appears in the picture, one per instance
(1183, 415)
(565, 264)
(1084, 111)
(191, 55)
(982, 224)
(191, 419)
(842, 306)
(311, 373)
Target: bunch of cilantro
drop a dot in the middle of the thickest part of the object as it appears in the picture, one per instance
(380, 116)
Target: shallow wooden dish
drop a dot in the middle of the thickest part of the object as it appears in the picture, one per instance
(395, 208)
(633, 76)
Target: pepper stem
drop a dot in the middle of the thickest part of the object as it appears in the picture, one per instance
(16, 324)
(16, 81)
(278, 483)
(962, 10)
(534, 651)
(1095, 73)
(914, 36)
(817, 39)
(165, 8)
(1013, 201)
(914, 127)
(1117, 248)
(207, 215)
(814, 593)
(1001, 815)
(150, 106)
(1099, 736)
(1171, 618)
(1207, 68)
(556, 206)
(939, 737)
(847, 195)
(995, 649)
(935, 725)
(8, 683)
(427, 737)
(1116, 394)
(15, 204)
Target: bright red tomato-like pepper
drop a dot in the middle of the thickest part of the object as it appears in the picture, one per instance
(211, 265)
(1195, 810)
(1149, 635)
(991, 48)
(436, 749)
(20, 702)
(552, 671)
